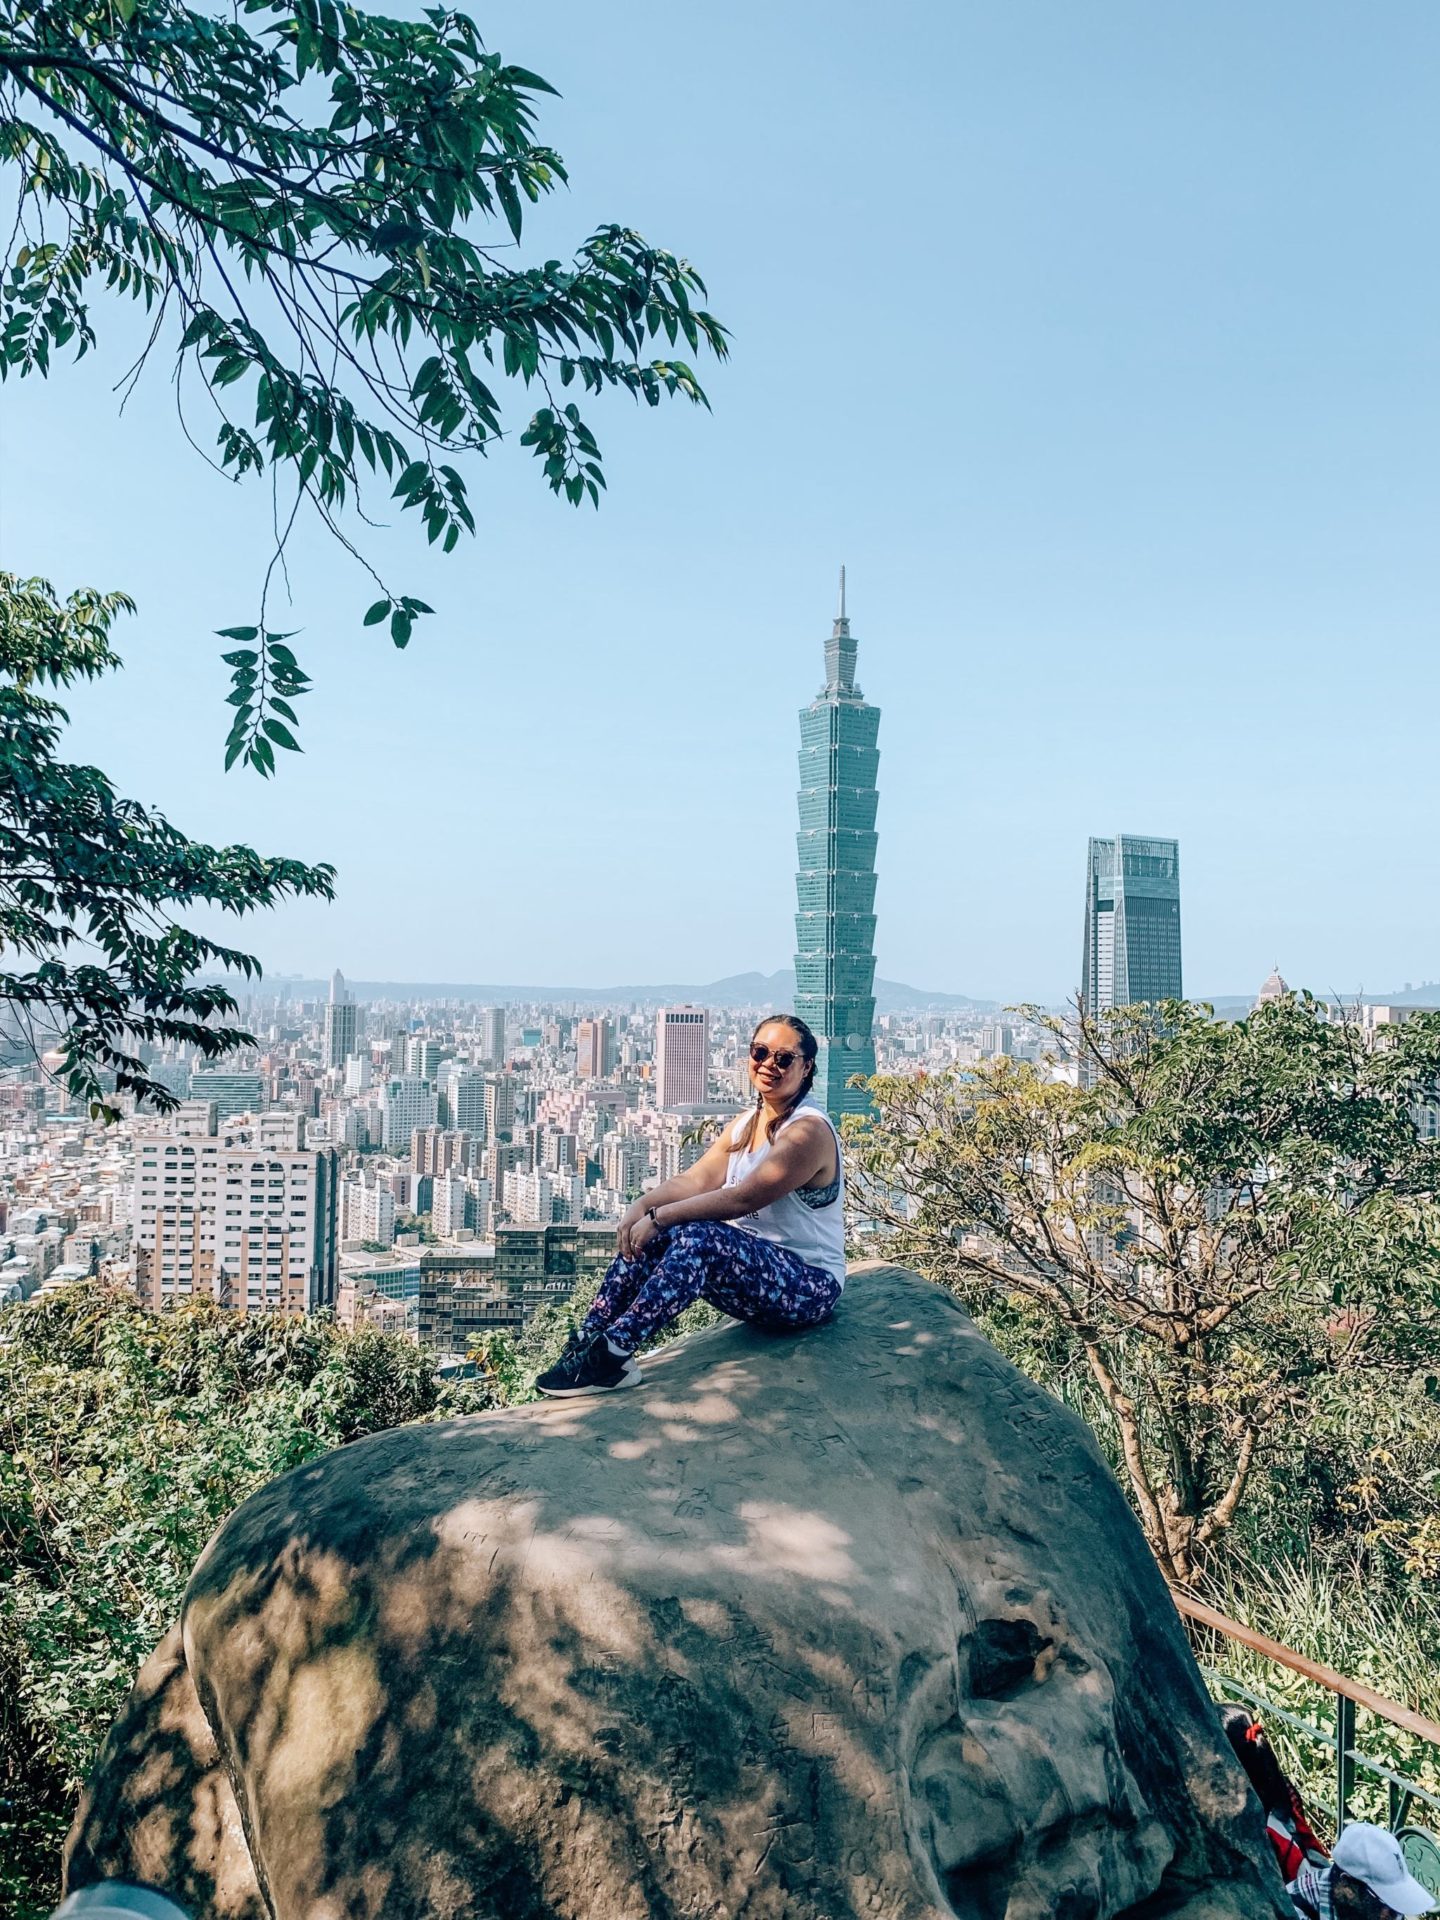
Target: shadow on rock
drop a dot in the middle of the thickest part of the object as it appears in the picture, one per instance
(855, 1626)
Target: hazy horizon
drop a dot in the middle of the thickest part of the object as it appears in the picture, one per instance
(559, 989)
(1102, 345)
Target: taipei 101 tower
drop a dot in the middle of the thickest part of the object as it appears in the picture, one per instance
(835, 921)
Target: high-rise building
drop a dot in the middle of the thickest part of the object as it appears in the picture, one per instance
(625, 1160)
(194, 1118)
(406, 1103)
(467, 1101)
(251, 1225)
(559, 1151)
(341, 1015)
(546, 1197)
(492, 1036)
(285, 1130)
(676, 1150)
(682, 1056)
(375, 1219)
(435, 1150)
(422, 1057)
(1132, 923)
(595, 1049)
(502, 1158)
(173, 1075)
(448, 1199)
(835, 885)
(232, 1093)
(499, 1108)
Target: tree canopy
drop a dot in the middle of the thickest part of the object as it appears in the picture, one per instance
(321, 211)
(126, 1437)
(92, 884)
(1231, 1229)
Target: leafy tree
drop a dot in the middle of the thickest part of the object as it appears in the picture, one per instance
(1225, 1241)
(125, 1439)
(91, 883)
(307, 213)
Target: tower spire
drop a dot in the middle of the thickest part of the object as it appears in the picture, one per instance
(840, 654)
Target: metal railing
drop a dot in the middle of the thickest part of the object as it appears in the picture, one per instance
(1421, 1845)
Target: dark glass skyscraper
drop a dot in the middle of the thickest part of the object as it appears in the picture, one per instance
(1132, 923)
(835, 921)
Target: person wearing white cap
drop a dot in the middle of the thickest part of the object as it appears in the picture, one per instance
(1366, 1879)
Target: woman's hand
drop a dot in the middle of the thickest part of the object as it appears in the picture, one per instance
(641, 1234)
(631, 1217)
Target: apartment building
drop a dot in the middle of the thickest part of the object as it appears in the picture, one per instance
(250, 1224)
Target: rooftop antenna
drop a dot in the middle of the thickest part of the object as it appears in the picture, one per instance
(840, 652)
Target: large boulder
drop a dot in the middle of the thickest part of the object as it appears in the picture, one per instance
(854, 1625)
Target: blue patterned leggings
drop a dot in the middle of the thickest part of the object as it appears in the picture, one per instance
(749, 1278)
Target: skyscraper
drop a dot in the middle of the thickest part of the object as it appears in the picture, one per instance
(492, 1036)
(340, 1022)
(682, 1056)
(1132, 923)
(595, 1049)
(835, 886)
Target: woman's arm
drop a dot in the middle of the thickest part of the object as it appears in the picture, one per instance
(707, 1173)
(803, 1156)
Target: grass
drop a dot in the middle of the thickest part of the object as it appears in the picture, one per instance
(1331, 1610)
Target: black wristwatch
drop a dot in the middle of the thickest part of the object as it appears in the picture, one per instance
(650, 1216)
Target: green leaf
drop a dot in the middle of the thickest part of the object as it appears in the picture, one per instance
(238, 633)
(400, 628)
(522, 77)
(510, 202)
(281, 735)
(377, 613)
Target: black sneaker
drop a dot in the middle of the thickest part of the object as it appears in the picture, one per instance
(589, 1366)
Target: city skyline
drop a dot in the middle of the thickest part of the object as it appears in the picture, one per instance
(1162, 551)
(761, 990)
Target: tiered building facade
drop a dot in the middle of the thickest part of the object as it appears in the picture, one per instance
(835, 885)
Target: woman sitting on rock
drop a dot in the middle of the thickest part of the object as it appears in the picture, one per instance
(756, 1227)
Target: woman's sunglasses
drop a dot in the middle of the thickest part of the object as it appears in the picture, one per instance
(784, 1057)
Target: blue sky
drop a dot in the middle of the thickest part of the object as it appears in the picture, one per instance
(1102, 344)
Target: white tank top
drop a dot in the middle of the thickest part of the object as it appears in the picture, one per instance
(814, 1234)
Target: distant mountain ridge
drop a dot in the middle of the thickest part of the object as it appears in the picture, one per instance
(758, 990)
(736, 990)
